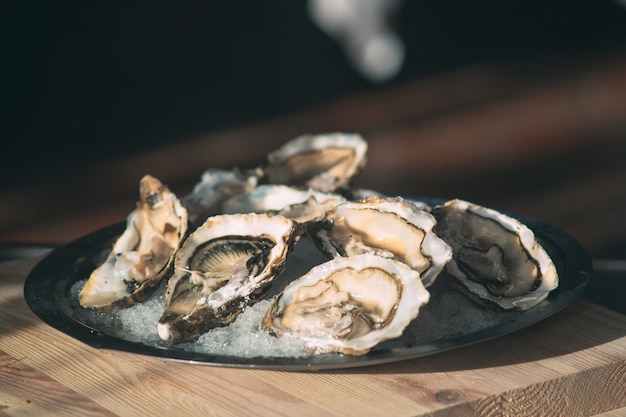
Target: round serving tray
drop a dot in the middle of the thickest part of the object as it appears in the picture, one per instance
(48, 294)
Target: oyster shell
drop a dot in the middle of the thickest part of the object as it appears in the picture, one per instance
(141, 256)
(217, 185)
(302, 205)
(224, 265)
(323, 162)
(348, 305)
(497, 259)
(391, 227)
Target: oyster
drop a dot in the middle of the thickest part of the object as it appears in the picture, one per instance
(391, 227)
(141, 256)
(215, 186)
(302, 205)
(348, 304)
(224, 265)
(497, 259)
(324, 162)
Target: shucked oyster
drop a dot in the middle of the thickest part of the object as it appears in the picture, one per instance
(348, 305)
(216, 186)
(324, 162)
(301, 204)
(224, 265)
(390, 227)
(141, 256)
(497, 259)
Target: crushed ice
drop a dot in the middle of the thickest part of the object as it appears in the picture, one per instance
(242, 338)
(448, 314)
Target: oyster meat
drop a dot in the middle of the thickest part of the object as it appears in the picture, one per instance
(391, 227)
(348, 304)
(223, 266)
(497, 259)
(142, 255)
(323, 162)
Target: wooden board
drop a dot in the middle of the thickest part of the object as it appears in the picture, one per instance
(573, 363)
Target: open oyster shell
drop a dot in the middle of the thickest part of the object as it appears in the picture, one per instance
(303, 205)
(142, 255)
(223, 266)
(217, 185)
(348, 304)
(391, 227)
(497, 259)
(324, 162)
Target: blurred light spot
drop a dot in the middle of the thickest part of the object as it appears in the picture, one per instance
(361, 28)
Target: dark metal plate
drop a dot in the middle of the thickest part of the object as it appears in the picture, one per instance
(47, 292)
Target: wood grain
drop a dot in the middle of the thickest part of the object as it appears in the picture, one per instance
(25, 391)
(613, 413)
(575, 362)
(580, 394)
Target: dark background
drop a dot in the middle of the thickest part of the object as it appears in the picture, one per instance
(86, 81)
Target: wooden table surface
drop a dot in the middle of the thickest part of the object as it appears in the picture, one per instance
(571, 364)
(547, 143)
